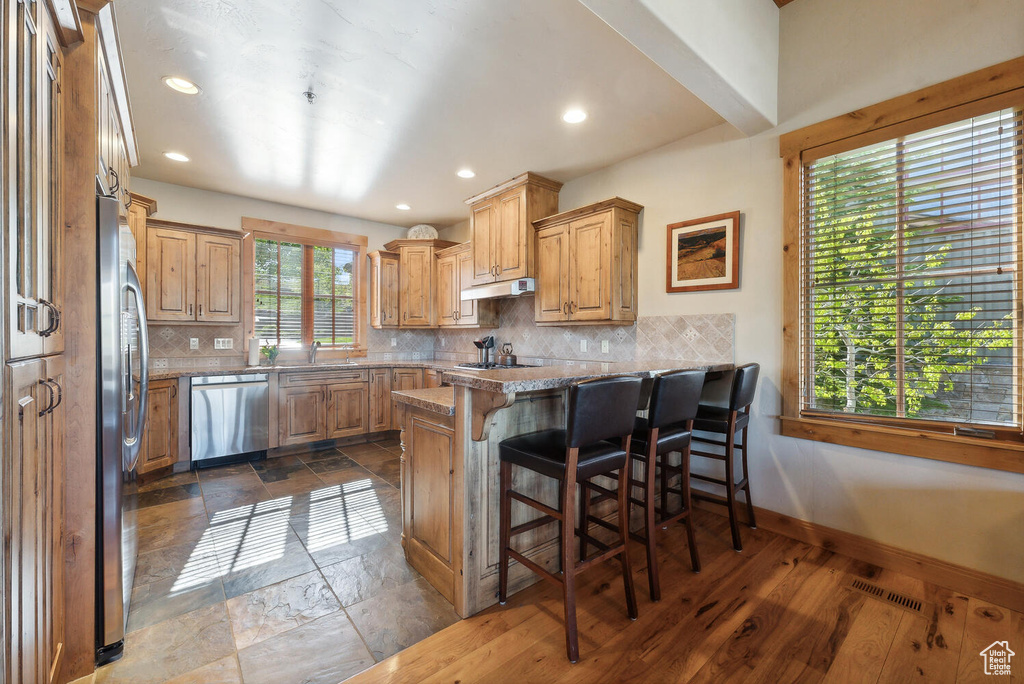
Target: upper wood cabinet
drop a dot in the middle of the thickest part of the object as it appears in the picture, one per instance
(404, 276)
(500, 227)
(160, 443)
(140, 208)
(192, 276)
(33, 171)
(383, 289)
(587, 265)
(455, 272)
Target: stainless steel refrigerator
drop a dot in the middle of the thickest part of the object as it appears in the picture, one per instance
(123, 378)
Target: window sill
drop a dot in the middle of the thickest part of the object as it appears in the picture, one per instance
(981, 453)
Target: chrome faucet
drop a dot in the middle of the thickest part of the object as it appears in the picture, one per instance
(348, 353)
(312, 351)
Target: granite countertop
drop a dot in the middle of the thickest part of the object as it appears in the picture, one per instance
(436, 399)
(166, 374)
(509, 380)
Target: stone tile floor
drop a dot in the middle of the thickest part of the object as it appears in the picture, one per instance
(283, 570)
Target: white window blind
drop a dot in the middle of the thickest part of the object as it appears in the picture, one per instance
(333, 318)
(910, 267)
(278, 292)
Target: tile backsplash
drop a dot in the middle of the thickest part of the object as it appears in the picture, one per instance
(696, 337)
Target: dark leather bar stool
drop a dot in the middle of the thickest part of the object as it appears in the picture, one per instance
(667, 429)
(599, 423)
(725, 410)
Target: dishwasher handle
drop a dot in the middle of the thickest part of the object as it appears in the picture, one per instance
(228, 385)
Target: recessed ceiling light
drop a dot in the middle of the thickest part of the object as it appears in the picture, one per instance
(574, 116)
(466, 173)
(403, 207)
(176, 156)
(182, 85)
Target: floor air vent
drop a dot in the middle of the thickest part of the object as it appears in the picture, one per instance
(893, 597)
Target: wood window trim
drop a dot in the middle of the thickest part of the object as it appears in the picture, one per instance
(989, 89)
(275, 230)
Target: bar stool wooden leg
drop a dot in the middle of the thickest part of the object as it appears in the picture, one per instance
(568, 537)
(627, 574)
(730, 484)
(746, 480)
(691, 538)
(584, 518)
(506, 529)
(649, 522)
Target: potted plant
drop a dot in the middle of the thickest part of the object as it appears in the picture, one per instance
(270, 351)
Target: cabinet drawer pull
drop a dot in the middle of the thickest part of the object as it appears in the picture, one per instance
(189, 309)
(116, 185)
(565, 308)
(200, 310)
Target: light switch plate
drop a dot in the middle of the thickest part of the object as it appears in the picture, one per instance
(223, 343)
(193, 343)
(394, 341)
(604, 346)
(583, 345)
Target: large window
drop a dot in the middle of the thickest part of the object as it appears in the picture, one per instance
(903, 265)
(910, 275)
(307, 288)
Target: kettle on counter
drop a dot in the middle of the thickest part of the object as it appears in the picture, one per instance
(506, 357)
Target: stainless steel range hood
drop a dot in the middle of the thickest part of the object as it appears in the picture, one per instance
(509, 288)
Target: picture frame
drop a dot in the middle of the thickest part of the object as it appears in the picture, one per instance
(704, 254)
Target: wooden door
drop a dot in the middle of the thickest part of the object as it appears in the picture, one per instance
(160, 444)
(416, 286)
(137, 224)
(512, 237)
(431, 378)
(302, 415)
(347, 410)
(482, 225)
(430, 496)
(218, 278)
(51, 280)
(380, 400)
(590, 268)
(171, 281)
(33, 523)
(471, 311)
(402, 380)
(551, 301)
(447, 290)
(389, 289)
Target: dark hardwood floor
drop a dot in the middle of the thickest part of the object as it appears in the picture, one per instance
(780, 611)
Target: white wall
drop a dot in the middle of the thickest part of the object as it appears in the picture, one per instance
(219, 210)
(835, 56)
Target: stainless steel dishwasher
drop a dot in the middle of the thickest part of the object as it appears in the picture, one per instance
(230, 418)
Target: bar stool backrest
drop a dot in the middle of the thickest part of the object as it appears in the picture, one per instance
(601, 409)
(675, 397)
(734, 390)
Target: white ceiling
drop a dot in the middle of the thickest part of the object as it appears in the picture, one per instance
(408, 92)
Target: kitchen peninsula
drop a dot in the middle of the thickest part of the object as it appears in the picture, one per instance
(450, 498)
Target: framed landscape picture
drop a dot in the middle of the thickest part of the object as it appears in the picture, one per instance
(704, 254)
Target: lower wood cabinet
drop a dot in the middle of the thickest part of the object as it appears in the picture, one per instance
(302, 414)
(431, 378)
(380, 400)
(33, 520)
(160, 442)
(428, 495)
(347, 410)
(404, 379)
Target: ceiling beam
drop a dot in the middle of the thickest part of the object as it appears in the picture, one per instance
(726, 52)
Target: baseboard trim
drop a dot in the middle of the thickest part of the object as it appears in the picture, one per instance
(999, 590)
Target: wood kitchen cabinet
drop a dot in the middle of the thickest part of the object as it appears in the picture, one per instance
(140, 209)
(192, 275)
(403, 380)
(500, 227)
(383, 289)
(160, 440)
(431, 378)
(454, 273)
(587, 265)
(33, 527)
(379, 399)
(302, 415)
(347, 410)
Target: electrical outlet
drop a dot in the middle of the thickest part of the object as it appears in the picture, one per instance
(394, 341)
(583, 345)
(442, 341)
(160, 363)
(193, 343)
(223, 343)
(604, 346)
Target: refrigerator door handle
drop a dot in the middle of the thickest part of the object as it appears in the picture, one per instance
(134, 443)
